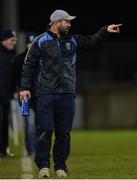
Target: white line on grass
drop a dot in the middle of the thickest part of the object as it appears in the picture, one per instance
(26, 168)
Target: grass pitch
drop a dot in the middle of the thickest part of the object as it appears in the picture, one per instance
(94, 155)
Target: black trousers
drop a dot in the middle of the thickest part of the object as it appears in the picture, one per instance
(55, 112)
(4, 122)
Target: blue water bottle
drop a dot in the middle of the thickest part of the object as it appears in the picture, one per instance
(25, 107)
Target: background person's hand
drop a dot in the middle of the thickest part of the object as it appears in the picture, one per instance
(114, 28)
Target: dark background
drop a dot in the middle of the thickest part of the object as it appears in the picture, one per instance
(91, 15)
(119, 60)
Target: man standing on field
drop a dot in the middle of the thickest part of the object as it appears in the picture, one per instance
(51, 61)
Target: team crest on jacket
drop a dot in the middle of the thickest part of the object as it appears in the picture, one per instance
(68, 46)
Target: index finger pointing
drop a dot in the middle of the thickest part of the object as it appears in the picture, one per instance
(119, 25)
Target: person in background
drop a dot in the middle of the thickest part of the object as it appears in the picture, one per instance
(29, 121)
(52, 61)
(8, 39)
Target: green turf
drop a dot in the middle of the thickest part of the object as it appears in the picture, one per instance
(11, 167)
(94, 155)
(111, 154)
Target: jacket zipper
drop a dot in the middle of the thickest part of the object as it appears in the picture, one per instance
(39, 77)
(41, 67)
(59, 52)
(60, 74)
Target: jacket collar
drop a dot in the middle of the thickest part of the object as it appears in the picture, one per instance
(63, 36)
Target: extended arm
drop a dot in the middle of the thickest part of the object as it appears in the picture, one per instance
(87, 42)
